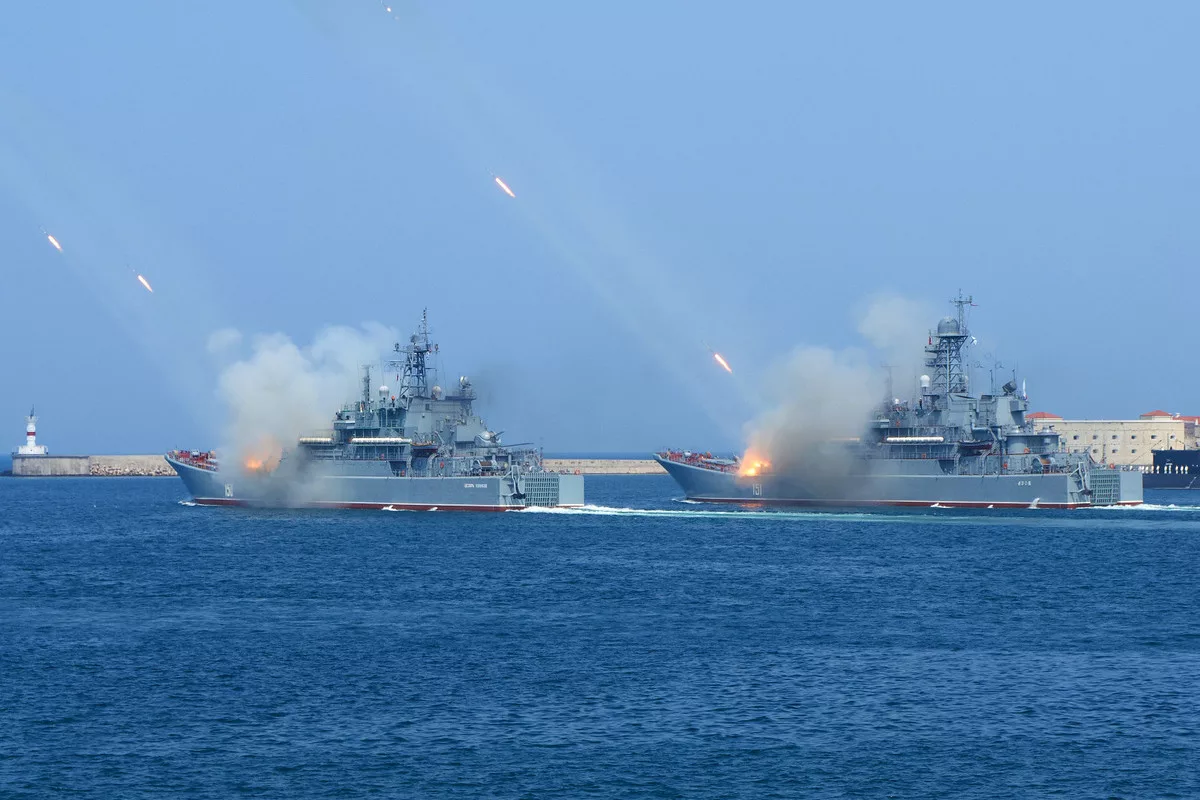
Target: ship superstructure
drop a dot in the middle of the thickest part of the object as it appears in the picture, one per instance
(943, 447)
(416, 447)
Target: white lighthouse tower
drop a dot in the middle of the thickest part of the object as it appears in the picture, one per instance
(31, 447)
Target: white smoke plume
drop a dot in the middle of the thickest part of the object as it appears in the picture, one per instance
(279, 390)
(817, 395)
(896, 327)
(223, 341)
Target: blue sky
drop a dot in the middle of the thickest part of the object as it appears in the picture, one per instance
(686, 175)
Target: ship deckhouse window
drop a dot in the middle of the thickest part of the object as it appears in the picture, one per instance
(1154, 436)
(1114, 449)
(1094, 437)
(1134, 450)
(1076, 437)
(1114, 436)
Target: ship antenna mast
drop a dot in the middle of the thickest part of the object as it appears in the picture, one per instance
(944, 355)
(962, 303)
(414, 375)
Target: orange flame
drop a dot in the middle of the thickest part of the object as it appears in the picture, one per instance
(504, 186)
(754, 464)
(722, 362)
(264, 456)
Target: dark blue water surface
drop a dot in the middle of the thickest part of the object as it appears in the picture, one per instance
(149, 647)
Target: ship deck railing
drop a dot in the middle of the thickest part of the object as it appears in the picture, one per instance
(702, 460)
(205, 461)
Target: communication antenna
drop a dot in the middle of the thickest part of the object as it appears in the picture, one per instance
(411, 363)
(963, 303)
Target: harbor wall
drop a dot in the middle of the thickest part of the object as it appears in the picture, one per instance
(38, 466)
(154, 466)
(102, 466)
(605, 466)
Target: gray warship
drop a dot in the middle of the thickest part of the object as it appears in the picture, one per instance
(419, 449)
(944, 447)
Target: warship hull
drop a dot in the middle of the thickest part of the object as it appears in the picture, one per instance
(1173, 469)
(873, 487)
(371, 485)
(421, 448)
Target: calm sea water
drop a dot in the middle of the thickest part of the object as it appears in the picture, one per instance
(648, 648)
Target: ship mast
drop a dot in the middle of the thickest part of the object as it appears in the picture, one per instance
(414, 369)
(944, 354)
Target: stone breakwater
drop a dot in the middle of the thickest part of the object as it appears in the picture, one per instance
(605, 466)
(129, 466)
(101, 466)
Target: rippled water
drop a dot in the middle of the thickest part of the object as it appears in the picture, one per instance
(642, 647)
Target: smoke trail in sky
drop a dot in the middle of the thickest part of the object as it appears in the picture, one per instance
(98, 224)
(564, 204)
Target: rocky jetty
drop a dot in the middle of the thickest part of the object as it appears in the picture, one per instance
(129, 466)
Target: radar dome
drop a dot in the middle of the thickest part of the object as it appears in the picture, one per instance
(383, 390)
(436, 392)
(949, 327)
(925, 381)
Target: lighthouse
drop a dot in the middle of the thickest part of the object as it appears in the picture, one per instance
(31, 447)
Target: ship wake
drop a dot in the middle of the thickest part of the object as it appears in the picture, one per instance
(666, 513)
